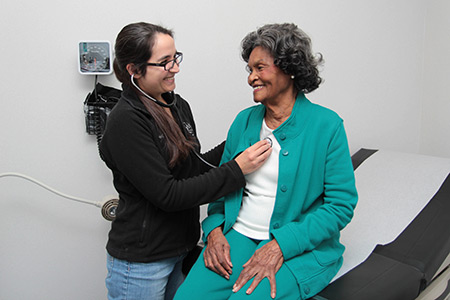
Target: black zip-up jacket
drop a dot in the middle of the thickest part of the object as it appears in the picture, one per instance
(158, 212)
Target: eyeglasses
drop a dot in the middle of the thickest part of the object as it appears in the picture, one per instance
(168, 65)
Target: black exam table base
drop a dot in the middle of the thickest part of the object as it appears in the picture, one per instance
(403, 268)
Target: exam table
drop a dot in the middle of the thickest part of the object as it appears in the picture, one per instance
(398, 242)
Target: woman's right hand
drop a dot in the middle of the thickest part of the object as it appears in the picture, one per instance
(217, 253)
(254, 157)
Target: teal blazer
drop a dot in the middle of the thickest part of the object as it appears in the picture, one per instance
(316, 193)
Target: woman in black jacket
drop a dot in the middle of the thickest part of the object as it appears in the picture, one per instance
(151, 147)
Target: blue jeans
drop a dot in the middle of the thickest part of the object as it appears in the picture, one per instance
(157, 280)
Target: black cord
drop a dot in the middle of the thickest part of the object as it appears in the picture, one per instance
(95, 87)
(97, 117)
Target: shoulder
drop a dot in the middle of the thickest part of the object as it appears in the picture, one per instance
(128, 121)
(243, 117)
(246, 112)
(324, 116)
(317, 110)
(315, 117)
(124, 111)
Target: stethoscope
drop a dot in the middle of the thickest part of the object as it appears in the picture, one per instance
(213, 166)
(269, 140)
(150, 97)
(185, 125)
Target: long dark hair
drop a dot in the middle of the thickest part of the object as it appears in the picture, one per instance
(134, 45)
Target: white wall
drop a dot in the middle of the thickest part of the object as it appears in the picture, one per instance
(386, 71)
(435, 135)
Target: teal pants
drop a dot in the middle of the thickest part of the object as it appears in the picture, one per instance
(202, 283)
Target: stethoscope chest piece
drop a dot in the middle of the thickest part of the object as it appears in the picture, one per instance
(269, 140)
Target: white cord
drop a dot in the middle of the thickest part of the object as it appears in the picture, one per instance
(98, 204)
(150, 97)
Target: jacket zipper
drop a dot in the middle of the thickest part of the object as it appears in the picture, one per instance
(144, 223)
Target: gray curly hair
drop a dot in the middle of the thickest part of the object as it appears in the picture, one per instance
(291, 50)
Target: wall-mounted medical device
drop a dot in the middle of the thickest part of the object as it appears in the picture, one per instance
(97, 106)
(94, 57)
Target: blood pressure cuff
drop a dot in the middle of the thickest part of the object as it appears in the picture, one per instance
(97, 107)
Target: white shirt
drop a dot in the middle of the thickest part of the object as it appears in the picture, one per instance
(259, 194)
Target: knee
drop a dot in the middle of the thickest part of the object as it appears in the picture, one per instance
(187, 291)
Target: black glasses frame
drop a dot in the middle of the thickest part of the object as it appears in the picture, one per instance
(176, 60)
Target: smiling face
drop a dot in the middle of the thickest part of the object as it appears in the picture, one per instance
(156, 80)
(270, 84)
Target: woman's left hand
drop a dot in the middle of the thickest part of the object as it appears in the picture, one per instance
(265, 262)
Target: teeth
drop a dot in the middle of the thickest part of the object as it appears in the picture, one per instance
(257, 87)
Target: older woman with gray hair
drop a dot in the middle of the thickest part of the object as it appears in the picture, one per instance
(279, 235)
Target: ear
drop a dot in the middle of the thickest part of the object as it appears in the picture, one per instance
(131, 68)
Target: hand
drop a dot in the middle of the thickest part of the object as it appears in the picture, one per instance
(217, 253)
(254, 157)
(265, 262)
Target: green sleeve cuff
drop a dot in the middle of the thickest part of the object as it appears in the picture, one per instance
(287, 242)
(210, 223)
